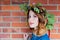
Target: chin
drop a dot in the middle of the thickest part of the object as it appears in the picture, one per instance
(32, 28)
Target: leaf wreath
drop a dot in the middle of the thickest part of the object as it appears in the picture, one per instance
(36, 10)
(25, 7)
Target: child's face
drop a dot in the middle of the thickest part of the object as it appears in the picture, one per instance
(33, 19)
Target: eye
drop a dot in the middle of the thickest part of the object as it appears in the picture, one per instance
(29, 16)
(35, 16)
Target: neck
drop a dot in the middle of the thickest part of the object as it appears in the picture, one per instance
(35, 28)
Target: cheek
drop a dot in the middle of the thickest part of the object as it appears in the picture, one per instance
(29, 20)
(36, 21)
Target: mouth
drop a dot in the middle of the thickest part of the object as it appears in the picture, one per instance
(30, 23)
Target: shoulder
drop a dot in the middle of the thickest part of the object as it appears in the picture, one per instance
(45, 37)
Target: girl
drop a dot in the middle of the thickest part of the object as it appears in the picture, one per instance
(39, 22)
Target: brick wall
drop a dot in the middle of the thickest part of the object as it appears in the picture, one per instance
(13, 22)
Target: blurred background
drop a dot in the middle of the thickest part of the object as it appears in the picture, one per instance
(13, 23)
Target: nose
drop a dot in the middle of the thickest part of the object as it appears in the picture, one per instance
(31, 19)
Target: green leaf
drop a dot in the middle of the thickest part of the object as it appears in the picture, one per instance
(51, 21)
(36, 9)
(23, 7)
(51, 18)
(49, 27)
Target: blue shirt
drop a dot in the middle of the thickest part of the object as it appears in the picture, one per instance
(43, 37)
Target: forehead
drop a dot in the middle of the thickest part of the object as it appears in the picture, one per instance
(31, 12)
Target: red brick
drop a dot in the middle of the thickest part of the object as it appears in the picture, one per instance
(55, 36)
(11, 30)
(5, 2)
(19, 1)
(0, 7)
(58, 19)
(58, 30)
(26, 30)
(6, 30)
(4, 35)
(53, 31)
(56, 13)
(11, 19)
(0, 19)
(10, 8)
(23, 19)
(4, 13)
(19, 24)
(58, 7)
(51, 7)
(54, 1)
(17, 35)
(0, 2)
(18, 14)
(36, 1)
(0, 29)
(4, 24)
(57, 25)
(16, 30)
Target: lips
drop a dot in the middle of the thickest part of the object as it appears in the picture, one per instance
(30, 23)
